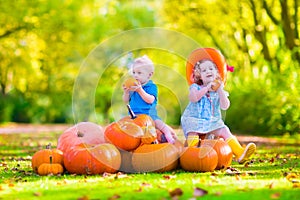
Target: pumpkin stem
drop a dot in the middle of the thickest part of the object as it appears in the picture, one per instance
(50, 158)
(80, 134)
(48, 146)
(133, 116)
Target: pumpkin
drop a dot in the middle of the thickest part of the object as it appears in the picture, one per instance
(50, 168)
(124, 135)
(150, 135)
(141, 120)
(43, 156)
(126, 161)
(199, 159)
(223, 150)
(155, 158)
(83, 132)
(130, 81)
(216, 86)
(89, 159)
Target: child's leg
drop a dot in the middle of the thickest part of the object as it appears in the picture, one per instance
(242, 154)
(165, 130)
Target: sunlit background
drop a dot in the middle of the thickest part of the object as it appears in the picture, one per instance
(43, 45)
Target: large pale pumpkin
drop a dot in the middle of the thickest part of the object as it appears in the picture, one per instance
(199, 159)
(83, 132)
(43, 157)
(126, 161)
(223, 150)
(86, 159)
(124, 135)
(155, 158)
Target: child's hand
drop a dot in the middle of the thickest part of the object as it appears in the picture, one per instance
(135, 87)
(125, 89)
(170, 138)
(209, 86)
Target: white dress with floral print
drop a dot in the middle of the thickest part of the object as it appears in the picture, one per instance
(204, 115)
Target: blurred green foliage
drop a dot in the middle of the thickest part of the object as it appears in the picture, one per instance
(43, 44)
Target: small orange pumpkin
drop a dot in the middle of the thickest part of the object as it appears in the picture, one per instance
(217, 85)
(199, 159)
(223, 150)
(130, 81)
(50, 168)
(88, 159)
(155, 158)
(43, 156)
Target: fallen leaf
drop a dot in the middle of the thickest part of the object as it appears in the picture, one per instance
(168, 177)
(115, 196)
(176, 192)
(296, 185)
(37, 194)
(271, 185)
(146, 184)
(199, 192)
(292, 177)
(275, 195)
(140, 189)
(83, 198)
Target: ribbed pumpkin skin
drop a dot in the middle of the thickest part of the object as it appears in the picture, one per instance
(140, 120)
(83, 132)
(223, 150)
(155, 158)
(42, 156)
(146, 123)
(85, 159)
(199, 159)
(124, 135)
(50, 168)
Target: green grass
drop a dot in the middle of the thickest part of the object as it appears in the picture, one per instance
(264, 177)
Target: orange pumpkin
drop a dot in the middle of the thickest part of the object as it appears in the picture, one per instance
(155, 158)
(87, 159)
(223, 150)
(43, 156)
(199, 159)
(83, 132)
(149, 136)
(141, 120)
(50, 168)
(216, 86)
(124, 135)
(130, 81)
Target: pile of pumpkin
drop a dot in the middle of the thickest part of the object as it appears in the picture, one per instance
(129, 145)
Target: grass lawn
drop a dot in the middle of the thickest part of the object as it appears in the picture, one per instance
(273, 173)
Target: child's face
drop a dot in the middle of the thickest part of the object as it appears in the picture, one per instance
(207, 72)
(141, 73)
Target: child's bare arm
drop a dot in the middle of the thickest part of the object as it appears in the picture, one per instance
(195, 95)
(148, 98)
(224, 101)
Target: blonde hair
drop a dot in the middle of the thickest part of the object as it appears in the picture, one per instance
(144, 62)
